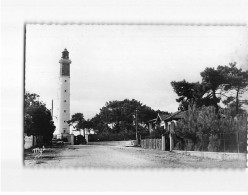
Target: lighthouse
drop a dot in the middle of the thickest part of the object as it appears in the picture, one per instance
(64, 96)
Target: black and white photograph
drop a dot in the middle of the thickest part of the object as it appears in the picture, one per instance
(135, 96)
(120, 96)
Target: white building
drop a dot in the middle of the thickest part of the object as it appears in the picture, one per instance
(64, 96)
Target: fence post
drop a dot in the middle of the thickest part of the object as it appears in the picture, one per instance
(163, 142)
(238, 141)
(171, 143)
(212, 142)
(224, 141)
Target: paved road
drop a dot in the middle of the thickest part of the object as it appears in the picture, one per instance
(97, 156)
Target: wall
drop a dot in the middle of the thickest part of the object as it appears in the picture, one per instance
(214, 155)
(113, 143)
(28, 142)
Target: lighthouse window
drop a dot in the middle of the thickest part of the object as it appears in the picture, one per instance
(64, 110)
(65, 80)
(64, 100)
(65, 90)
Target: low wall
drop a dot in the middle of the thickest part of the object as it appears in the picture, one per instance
(28, 142)
(214, 155)
(113, 143)
(32, 141)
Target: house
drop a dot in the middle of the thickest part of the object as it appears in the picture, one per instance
(157, 122)
(165, 120)
(168, 122)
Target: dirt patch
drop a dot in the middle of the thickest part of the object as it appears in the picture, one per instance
(168, 159)
(96, 156)
(49, 156)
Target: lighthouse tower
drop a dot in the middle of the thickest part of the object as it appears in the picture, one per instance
(64, 96)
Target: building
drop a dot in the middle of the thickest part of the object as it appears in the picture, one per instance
(64, 97)
(157, 122)
(165, 120)
(168, 122)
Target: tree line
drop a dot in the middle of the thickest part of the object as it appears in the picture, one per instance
(209, 125)
(116, 120)
(224, 84)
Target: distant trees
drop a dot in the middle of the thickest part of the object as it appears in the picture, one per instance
(88, 124)
(37, 118)
(116, 119)
(226, 84)
(77, 121)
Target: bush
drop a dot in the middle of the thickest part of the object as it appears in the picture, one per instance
(110, 137)
(79, 139)
(202, 129)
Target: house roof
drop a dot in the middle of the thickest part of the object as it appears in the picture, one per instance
(164, 116)
(151, 120)
(175, 116)
(168, 117)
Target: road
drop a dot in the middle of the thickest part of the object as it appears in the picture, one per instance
(98, 156)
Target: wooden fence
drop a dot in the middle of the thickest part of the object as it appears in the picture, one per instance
(151, 143)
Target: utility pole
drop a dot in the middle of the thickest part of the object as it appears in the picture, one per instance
(136, 123)
(52, 109)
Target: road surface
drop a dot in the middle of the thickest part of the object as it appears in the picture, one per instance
(98, 156)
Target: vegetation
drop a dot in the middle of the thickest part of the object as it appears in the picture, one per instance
(226, 84)
(77, 121)
(207, 126)
(203, 129)
(236, 84)
(188, 93)
(158, 132)
(116, 120)
(37, 118)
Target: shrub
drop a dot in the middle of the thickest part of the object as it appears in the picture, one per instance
(203, 129)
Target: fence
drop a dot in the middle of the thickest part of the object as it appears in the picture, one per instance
(219, 142)
(151, 143)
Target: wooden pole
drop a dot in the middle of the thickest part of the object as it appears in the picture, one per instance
(171, 138)
(136, 123)
(52, 109)
(171, 144)
(163, 142)
(238, 141)
(224, 141)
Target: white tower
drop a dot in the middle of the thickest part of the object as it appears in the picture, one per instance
(64, 95)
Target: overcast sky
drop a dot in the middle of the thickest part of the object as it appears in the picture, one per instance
(114, 62)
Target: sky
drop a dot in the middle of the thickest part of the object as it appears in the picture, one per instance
(114, 62)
